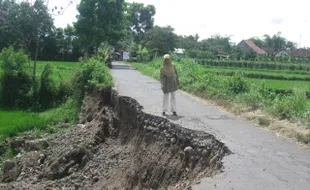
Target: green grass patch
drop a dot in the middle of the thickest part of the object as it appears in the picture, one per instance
(13, 123)
(282, 84)
(64, 71)
(91, 73)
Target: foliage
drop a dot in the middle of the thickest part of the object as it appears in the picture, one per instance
(200, 54)
(255, 65)
(188, 42)
(15, 79)
(99, 21)
(144, 55)
(295, 105)
(217, 42)
(141, 19)
(93, 73)
(48, 89)
(237, 84)
(67, 112)
(160, 40)
(194, 79)
(14, 122)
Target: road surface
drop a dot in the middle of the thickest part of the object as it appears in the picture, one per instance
(260, 161)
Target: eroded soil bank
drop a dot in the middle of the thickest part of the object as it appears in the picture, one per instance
(115, 146)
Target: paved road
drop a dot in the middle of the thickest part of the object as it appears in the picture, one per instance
(260, 161)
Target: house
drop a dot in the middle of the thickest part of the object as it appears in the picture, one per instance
(301, 53)
(221, 54)
(248, 46)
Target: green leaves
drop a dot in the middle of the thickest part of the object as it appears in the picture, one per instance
(100, 21)
(160, 39)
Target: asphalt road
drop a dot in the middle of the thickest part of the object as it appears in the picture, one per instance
(260, 161)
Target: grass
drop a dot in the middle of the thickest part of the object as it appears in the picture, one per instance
(242, 90)
(260, 71)
(13, 123)
(282, 84)
(244, 93)
(62, 70)
(153, 71)
(16, 122)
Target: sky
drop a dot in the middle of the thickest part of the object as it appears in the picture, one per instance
(240, 19)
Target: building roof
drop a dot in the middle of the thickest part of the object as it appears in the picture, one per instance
(221, 52)
(300, 53)
(254, 47)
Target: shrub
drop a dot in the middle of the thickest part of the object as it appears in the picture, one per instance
(15, 79)
(64, 91)
(48, 90)
(93, 73)
(238, 84)
(295, 105)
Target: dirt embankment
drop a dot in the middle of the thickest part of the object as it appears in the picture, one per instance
(115, 146)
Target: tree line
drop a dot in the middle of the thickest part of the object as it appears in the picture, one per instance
(103, 26)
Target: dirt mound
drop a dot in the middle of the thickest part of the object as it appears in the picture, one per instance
(115, 146)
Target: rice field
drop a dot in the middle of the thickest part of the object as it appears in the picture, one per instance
(62, 70)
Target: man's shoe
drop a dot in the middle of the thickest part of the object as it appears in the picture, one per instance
(175, 114)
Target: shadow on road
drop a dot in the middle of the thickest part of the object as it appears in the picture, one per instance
(122, 67)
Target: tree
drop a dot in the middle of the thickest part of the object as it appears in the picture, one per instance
(41, 25)
(99, 21)
(161, 39)
(277, 42)
(217, 42)
(188, 42)
(141, 19)
(29, 23)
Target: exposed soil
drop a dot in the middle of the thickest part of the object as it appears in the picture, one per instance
(115, 146)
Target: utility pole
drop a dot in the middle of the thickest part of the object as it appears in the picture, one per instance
(300, 42)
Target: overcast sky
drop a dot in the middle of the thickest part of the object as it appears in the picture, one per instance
(240, 19)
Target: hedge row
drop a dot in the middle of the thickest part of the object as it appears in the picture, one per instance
(262, 76)
(255, 65)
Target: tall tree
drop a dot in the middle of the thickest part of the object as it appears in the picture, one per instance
(99, 21)
(217, 42)
(41, 25)
(29, 24)
(161, 39)
(188, 42)
(141, 19)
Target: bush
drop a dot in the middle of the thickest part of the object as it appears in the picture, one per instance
(93, 73)
(48, 90)
(295, 105)
(49, 94)
(15, 79)
(238, 84)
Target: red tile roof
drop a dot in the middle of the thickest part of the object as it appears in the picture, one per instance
(221, 52)
(255, 47)
(300, 53)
